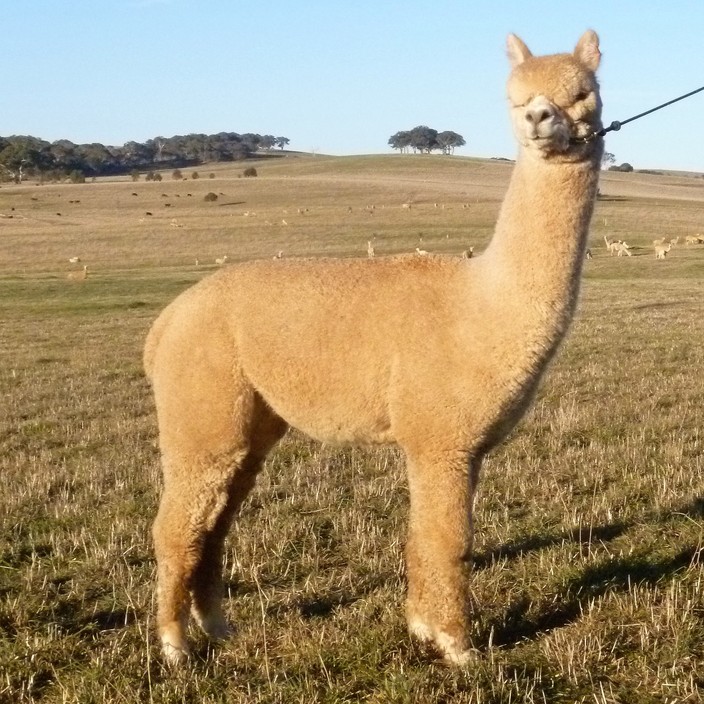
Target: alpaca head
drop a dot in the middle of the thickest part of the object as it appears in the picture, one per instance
(555, 99)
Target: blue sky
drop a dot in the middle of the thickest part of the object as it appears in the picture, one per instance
(338, 76)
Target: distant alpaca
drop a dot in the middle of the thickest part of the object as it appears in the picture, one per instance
(221, 260)
(81, 275)
(438, 355)
(661, 250)
(613, 246)
(622, 248)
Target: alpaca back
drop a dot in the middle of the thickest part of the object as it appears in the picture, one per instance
(328, 344)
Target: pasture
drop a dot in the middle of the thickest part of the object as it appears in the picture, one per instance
(588, 578)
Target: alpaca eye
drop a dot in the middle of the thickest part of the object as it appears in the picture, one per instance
(582, 96)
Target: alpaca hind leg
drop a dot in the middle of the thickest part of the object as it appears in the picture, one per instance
(206, 586)
(187, 514)
(439, 549)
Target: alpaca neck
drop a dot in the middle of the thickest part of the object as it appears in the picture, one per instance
(535, 257)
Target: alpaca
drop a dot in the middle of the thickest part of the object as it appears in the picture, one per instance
(614, 246)
(370, 249)
(80, 275)
(221, 260)
(661, 250)
(622, 248)
(438, 355)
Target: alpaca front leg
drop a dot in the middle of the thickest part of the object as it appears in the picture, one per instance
(438, 552)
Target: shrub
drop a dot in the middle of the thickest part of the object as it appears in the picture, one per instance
(176, 175)
(157, 177)
(210, 196)
(77, 176)
(623, 167)
(211, 176)
(134, 174)
(195, 175)
(249, 172)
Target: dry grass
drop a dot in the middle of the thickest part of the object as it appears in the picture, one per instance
(588, 579)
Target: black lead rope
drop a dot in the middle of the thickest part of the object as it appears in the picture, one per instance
(615, 126)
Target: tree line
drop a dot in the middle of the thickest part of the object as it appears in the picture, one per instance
(23, 156)
(425, 140)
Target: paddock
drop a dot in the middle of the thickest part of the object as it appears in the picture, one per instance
(588, 551)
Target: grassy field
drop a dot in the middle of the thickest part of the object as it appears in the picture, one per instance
(588, 567)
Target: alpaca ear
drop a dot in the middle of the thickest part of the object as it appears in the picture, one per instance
(517, 51)
(587, 50)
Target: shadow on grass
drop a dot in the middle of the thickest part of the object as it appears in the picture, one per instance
(523, 620)
(533, 543)
(584, 535)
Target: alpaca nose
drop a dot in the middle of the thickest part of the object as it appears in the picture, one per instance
(538, 114)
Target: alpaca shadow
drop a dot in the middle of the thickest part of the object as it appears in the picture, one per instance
(324, 606)
(311, 606)
(533, 543)
(522, 621)
(583, 535)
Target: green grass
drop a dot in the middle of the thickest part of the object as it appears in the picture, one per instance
(590, 520)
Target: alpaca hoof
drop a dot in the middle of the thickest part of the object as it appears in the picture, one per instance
(420, 630)
(174, 655)
(217, 630)
(173, 647)
(215, 626)
(452, 651)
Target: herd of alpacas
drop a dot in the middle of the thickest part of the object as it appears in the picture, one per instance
(440, 356)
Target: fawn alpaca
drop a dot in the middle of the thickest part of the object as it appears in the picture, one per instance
(439, 355)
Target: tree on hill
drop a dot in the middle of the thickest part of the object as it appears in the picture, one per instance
(607, 160)
(400, 140)
(19, 155)
(22, 156)
(448, 140)
(425, 139)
